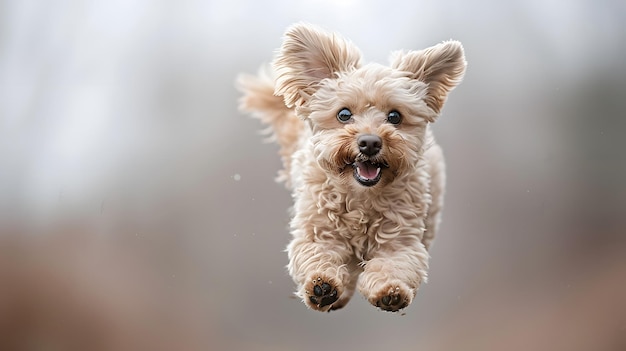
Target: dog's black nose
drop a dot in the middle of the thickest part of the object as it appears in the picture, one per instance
(369, 144)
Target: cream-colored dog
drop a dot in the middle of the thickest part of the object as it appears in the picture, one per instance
(358, 153)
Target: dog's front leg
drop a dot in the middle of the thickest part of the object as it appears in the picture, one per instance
(391, 278)
(318, 264)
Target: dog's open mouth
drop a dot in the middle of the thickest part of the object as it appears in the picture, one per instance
(367, 173)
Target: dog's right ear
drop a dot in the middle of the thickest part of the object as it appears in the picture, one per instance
(309, 55)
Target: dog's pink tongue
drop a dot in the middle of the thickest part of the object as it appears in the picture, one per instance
(367, 170)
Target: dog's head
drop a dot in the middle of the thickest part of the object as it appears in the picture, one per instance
(369, 122)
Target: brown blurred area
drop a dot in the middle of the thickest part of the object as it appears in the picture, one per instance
(138, 209)
(73, 291)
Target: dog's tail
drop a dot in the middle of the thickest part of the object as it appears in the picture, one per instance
(283, 126)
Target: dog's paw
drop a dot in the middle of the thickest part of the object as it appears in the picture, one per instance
(392, 298)
(320, 293)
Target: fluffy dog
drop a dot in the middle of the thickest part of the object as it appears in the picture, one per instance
(358, 153)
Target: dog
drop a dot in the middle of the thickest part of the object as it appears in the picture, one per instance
(359, 156)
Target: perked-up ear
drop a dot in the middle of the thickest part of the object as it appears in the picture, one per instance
(441, 66)
(307, 56)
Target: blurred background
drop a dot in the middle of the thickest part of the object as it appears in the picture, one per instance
(138, 208)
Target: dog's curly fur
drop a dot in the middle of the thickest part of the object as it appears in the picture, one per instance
(366, 208)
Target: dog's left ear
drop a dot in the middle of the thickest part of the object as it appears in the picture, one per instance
(441, 67)
(309, 55)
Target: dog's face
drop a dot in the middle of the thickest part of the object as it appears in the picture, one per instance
(368, 122)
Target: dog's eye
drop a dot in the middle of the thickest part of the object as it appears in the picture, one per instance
(344, 115)
(394, 117)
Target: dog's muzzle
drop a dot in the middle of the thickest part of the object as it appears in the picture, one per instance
(368, 173)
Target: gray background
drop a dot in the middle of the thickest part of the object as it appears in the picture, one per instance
(139, 203)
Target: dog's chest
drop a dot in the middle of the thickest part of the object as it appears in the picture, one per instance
(359, 222)
(367, 223)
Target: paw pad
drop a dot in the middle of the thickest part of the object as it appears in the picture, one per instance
(324, 293)
(393, 299)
